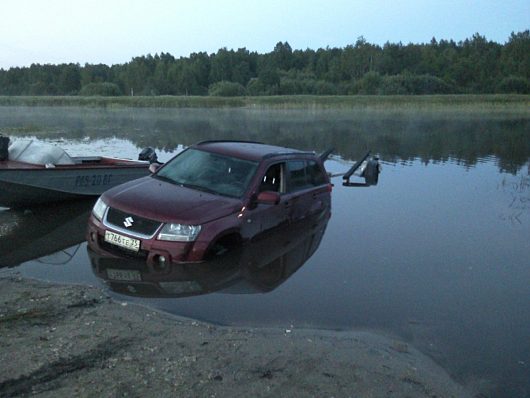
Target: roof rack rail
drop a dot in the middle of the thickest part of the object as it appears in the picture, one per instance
(271, 155)
(241, 141)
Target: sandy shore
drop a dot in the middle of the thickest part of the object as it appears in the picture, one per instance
(66, 341)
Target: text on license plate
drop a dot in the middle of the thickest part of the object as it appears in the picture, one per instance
(124, 274)
(123, 241)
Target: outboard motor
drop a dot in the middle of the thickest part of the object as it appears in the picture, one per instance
(371, 172)
(4, 148)
(148, 154)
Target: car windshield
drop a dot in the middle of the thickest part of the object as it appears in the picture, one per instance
(209, 172)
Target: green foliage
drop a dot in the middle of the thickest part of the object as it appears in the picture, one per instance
(408, 84)
(514, 85)
(472, 66)
(515, 59)
(369, 84)
(268, 73)
(325, 88)
(100, 89)
(227, 89)
(282, 56)
(69, 80)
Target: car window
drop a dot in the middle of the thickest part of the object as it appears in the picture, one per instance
(211, 172)
(297, 175)
(274, 179)
(315, 173)
(304, 174)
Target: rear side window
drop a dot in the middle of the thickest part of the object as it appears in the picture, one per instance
(304, 174)
(316, 174)
(297, 175)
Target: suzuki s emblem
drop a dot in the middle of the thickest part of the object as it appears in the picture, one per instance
(128, 222)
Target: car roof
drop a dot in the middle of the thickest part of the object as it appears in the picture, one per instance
(248, 150)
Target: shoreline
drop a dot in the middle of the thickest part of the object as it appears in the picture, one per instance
(517, 104)
(72, 340)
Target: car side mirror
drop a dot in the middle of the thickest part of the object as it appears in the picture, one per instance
(268, 197)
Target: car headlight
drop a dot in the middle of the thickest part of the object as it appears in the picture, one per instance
(179, 232)
(99, 209)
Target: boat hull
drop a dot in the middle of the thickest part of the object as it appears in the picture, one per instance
(29, 187)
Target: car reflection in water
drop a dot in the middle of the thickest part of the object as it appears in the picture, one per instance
(56, 229)
(256, 267)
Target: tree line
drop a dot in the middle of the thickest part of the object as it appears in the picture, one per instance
(473, 66)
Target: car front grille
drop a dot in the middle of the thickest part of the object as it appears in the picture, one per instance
(131, 223)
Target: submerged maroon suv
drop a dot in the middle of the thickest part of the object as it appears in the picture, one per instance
(208, 198)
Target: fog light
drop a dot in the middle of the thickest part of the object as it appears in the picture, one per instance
(93, 236)
(162, 262)
(159, 262)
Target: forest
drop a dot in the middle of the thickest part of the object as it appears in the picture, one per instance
(473, 66)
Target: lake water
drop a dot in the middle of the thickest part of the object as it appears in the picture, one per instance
(438, 253)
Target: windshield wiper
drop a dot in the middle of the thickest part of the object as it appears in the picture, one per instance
(164, 178)
(186, 185)
(198, 188)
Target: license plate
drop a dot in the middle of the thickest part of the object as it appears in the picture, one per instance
(123, 274)
(122, 241)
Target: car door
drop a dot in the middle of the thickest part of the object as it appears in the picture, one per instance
(298, 190)
(321, 193)
(307, 191)
(267, 217)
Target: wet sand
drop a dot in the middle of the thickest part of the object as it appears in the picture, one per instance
(64, 341)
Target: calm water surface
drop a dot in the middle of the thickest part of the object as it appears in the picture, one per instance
(437, 253)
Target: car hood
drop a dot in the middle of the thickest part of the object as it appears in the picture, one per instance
(162, 201)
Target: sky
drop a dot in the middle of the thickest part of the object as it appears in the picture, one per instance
(115, 31)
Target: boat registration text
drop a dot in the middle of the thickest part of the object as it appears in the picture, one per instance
(93, 180)
(123, 241)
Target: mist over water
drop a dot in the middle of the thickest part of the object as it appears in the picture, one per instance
(396, 137)
(437, 253)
